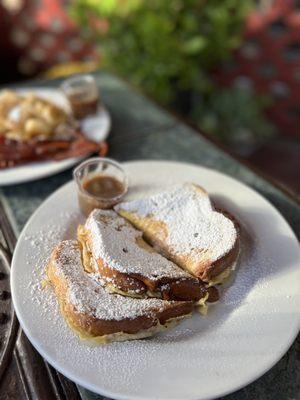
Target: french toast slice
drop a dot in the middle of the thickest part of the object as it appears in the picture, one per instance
(128, 265)
(183, 225)
(94, 313)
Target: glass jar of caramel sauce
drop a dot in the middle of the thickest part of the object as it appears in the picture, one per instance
(101, 183)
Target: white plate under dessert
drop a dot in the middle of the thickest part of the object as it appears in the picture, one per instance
(95, 128)
(243, 336)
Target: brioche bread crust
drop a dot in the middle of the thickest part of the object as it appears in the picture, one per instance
(89, 326)
(156, 233)
(178, 287)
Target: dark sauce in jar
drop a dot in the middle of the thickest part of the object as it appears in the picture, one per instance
(83, 104)
(103, 191)
(103, 186)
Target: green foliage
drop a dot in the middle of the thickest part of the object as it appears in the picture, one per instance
(169, 47)
(102, 8)
(165, 45)
(234, 115)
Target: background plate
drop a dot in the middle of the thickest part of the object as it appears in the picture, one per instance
(95, 128)
(243, 335)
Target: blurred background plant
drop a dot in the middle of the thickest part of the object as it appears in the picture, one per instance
(230, 66)
(235, 116)
(169, 49)
(164, 46)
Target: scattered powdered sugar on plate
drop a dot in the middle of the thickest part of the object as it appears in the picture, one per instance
(254, 268)
(40, 245)
(251, 267)
(198, 358)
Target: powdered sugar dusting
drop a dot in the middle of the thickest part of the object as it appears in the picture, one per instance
(40, 245)
(115, 241)
(254, 268)
(193, 225)
(89, 297)
(258, 312)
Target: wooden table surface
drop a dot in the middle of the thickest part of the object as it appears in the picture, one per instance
(140, 130)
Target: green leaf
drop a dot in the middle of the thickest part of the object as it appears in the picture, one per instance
(194, 45)
(170, 47)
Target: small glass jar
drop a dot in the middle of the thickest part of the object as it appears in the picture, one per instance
(101, 183)
(83, 95)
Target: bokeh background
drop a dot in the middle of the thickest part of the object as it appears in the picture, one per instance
(231, 67)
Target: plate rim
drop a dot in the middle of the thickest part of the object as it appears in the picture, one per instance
(60, 165)
(119, 396)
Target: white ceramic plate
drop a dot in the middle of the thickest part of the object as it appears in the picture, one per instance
(243, 336)
(96, 128)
